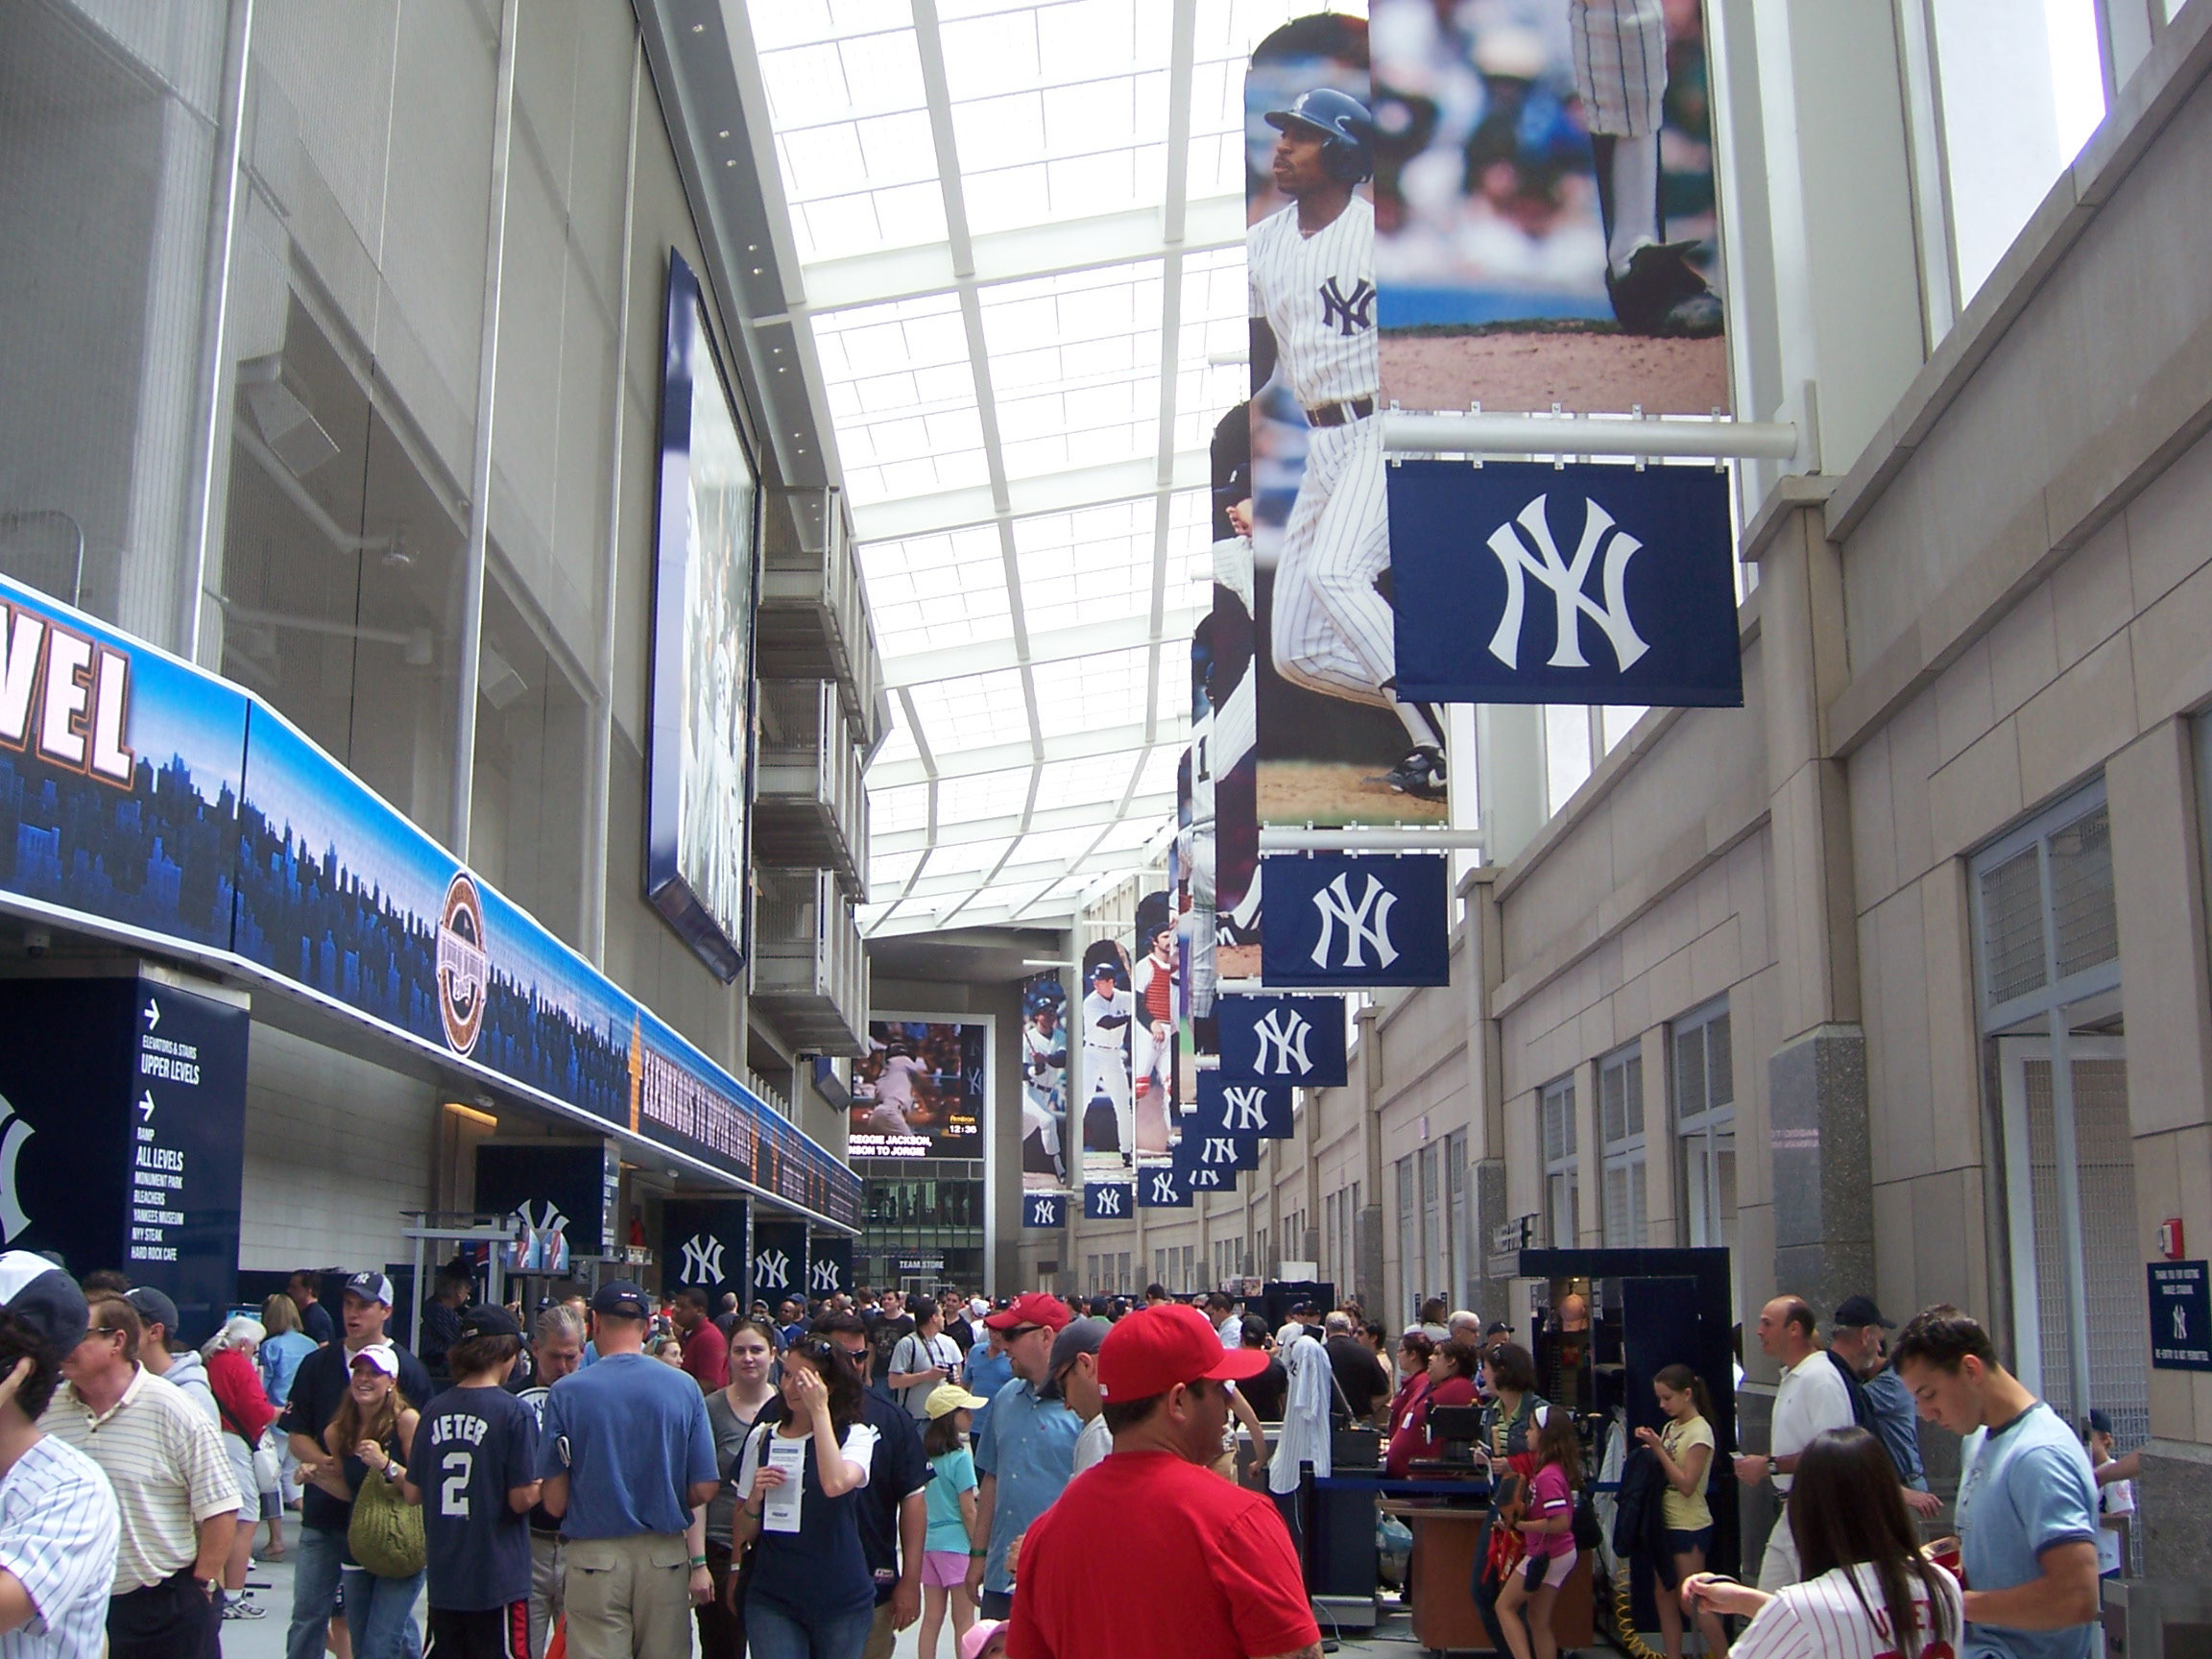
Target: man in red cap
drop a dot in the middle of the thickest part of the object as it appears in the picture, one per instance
(1024, 1450)
(1220, 1578)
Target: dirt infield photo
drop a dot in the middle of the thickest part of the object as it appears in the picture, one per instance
(1336, 792)
(1521, 367)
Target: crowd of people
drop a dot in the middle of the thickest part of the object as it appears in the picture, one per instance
(615, 1478)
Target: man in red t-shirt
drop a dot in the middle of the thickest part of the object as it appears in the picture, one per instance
(1217, 1575)
(706, 1350)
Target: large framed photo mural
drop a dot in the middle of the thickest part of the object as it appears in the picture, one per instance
(706, 579)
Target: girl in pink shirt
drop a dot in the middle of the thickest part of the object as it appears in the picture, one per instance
(1525, 1603)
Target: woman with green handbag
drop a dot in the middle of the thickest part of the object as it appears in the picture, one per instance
(372, 1435)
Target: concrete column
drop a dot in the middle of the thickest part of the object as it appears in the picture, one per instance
(2158, 887)
(1822, 1170)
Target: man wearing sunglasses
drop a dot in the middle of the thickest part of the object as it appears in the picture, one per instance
(1025, 1452)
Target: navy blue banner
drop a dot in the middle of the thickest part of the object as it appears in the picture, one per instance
(1043, 1209)
(1228, 1106)
(703, 1243)
(828, 1264)
(1163, 1186)
(1228, 1153)
(1337, 921)
(1295, 1039)
(1209, 1179)
(1516, 582)
(1107, 1201)
(556, 1195)
(779, 1264)
(123, 1133)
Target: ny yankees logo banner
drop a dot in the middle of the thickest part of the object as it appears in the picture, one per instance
(1225, 1154)
(1295, 1039)
(1518, 583)
(1337, 921)
(1163, 1186)
(1043, 1209)
(1107, 1200)
(703, 1243)
(779, 1265)
(828, 1264)
(1230, 1106)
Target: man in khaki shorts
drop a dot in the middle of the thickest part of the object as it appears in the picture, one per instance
(627, 1456)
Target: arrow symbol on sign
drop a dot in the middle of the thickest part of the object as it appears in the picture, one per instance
(153, 1014)
(146, 1106)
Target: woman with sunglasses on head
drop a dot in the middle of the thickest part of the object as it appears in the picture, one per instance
(809, 1593)
(1868, 1592)
(731, 1411)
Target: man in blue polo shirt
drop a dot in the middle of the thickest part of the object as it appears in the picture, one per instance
(1026, 1451)
(627, 1456)
(2027, 1502)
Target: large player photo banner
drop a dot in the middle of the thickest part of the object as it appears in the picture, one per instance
(1045, 1150)
(1106, 1122)
(1152, 982)
(1548, 234)
(1335, 743)
(1224, 720)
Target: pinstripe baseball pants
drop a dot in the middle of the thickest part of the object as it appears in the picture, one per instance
(1332, 632)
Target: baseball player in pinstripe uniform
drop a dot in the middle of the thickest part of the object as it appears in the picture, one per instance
(1620, 56)
(1312, 274)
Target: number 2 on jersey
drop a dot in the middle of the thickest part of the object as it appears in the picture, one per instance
(453, 1490)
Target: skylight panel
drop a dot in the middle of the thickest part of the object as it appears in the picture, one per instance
(1071, 694)
(966, 857)
(1083, 782)
(983, 795)
(985, 56)
(1157, 775)
(887, 873)
(892, 810)
(974, 712)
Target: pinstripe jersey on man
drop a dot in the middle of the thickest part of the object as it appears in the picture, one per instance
(58, 1530)
(1619, 56)
(1332, 631)
(166, 1465)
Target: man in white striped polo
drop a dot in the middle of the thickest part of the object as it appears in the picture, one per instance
(173, 1487)
(58, 1527)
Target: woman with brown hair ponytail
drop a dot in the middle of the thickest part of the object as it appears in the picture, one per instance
(1868, 1592)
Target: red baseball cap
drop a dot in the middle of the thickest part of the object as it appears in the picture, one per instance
(1031, 1308)
(1153, 1348)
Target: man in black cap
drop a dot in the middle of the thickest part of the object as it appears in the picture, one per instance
(474, 1472)
(318, 1389)
(60, 1529)
(628, 1457)
(1856, 1342)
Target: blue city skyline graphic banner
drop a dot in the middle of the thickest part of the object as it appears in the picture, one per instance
(1338, 921)
(141, 791)
(1518, 581)
(1297, 1039)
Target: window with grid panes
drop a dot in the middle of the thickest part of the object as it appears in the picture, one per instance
(1621, 1136)
(1562, 1177)
(1409, 1237)
(1705, 1125)
(1460, 1220)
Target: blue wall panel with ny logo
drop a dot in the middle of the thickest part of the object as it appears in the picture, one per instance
(1043, 1209)
(1236, 1106)
(779, 1265)
(1338, 921)
(1296, 1040)
(703, 1243)
(1516, 582)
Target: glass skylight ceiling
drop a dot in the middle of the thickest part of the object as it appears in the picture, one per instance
(1019, 270)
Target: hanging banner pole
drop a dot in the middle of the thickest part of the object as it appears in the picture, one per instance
(1382, 838)
(1476, 434)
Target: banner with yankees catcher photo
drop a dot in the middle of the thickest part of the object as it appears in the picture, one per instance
(1044, 1144)
(1336, 744)
(1547, 230)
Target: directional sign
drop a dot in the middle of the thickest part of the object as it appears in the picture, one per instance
(1229, 1107)
(2181, 1316)
(1283, 1039)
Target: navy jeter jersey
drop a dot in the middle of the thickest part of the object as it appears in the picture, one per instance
(470, 1447)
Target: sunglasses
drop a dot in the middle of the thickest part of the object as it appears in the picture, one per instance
(1019, 1332)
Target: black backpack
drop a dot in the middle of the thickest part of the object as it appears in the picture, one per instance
(1862, 1402)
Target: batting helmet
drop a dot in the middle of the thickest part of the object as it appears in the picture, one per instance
(1347, 130)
